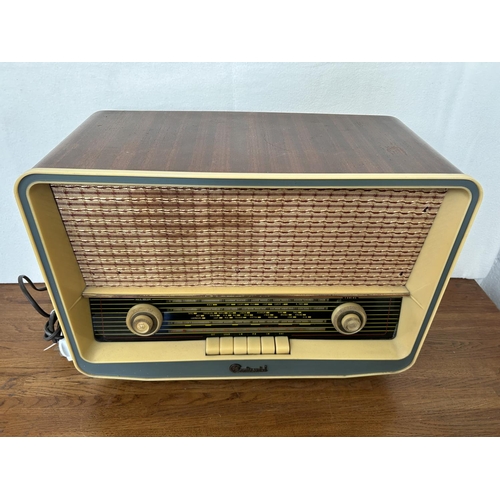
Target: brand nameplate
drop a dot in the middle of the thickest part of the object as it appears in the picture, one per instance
(236, 368)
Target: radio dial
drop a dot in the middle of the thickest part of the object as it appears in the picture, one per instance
(144, 319)
(349, 318)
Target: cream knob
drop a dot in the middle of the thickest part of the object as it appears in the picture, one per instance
(351, 323)
(144, 319)
(349, 318)
(142, 324)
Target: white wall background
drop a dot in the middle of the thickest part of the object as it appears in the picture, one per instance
(455, 107)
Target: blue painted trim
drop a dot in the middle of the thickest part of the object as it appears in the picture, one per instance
(215, 368)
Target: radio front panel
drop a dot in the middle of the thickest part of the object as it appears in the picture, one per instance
(129, 293)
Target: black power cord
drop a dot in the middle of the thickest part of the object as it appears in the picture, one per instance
(52, 331)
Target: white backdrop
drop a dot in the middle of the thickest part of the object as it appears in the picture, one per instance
(455, 107)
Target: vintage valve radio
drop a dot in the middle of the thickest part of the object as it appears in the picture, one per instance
(216, 245)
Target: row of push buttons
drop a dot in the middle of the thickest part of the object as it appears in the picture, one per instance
(247, 345)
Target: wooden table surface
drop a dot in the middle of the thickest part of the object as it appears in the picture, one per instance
(452, 390)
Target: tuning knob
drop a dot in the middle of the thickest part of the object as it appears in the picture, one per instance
(349, 318)
(144, 319)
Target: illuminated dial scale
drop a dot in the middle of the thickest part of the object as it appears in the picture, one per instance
(122, 319)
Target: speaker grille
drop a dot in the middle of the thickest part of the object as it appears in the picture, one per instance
(181, 236)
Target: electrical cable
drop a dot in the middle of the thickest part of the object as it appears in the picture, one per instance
(52, 330)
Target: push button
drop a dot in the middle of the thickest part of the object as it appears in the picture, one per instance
(253, 345)
(240, 345)
(212, 346)
(267, 345)
(226, 345)
(282, 345)
(246, 345)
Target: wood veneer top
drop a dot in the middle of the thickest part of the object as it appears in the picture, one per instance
(245, 142)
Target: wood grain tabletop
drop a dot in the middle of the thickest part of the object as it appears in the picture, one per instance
(452, 390)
